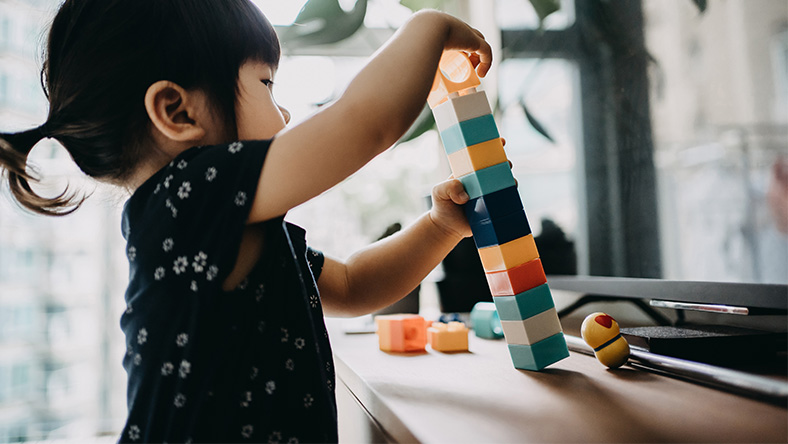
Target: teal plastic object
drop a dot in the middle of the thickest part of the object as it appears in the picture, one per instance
(468, 133)
(485, 321)
(538, 356)
(488, 180)
(524, 305)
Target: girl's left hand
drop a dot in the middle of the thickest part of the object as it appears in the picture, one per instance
(447, 200)
(446, 212)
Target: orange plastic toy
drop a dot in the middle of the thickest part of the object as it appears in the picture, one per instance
(401, 332)
(451, 337)
(455, 75)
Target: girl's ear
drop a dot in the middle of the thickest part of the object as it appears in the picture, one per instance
(179, 115)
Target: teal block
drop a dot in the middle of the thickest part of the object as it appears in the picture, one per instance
(488, 180)
(524, 305)
(469, 132)
(485, 321)
(540, 355)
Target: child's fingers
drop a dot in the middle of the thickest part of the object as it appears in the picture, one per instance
(452, 190)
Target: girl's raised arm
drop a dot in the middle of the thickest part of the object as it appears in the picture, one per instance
(375, 110)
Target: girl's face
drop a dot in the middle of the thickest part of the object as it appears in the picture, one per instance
(257, 114)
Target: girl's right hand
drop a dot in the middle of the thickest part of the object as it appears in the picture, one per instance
(463, 37)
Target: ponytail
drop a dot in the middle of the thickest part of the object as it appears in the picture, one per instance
(14, 150)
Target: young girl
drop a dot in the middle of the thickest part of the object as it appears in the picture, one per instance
(172, 100)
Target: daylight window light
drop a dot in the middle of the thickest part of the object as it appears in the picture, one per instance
(278, 12)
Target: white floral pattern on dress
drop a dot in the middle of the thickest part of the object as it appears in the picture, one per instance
(167, 244)
(213, 271)
(142, 336)
(134, 432)
(246, 399)
(184, 369)
(247, 430)
(210, 174)
(200, 260)
(240, 199)
(167, 368)
(235, 147)
(182, 340)
(180, 264)
(184, 190)
(158, 274)
(180, 400)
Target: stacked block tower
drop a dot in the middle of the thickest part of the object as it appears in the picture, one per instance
(495, 213)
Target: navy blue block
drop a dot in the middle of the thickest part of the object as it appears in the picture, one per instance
(500, 230)
(494, 205)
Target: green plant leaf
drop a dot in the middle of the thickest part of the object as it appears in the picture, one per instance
(535, 123)
(701, 4)
(322, 22)
(423, 123)
(544, 8)
(415, 5)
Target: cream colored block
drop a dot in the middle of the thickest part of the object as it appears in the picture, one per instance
(460, 109)
(532, 330)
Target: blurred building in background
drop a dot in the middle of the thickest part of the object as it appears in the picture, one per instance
(720, 116)
(718, 102)
(60, 278)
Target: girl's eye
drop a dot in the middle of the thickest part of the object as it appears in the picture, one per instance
(267, 82)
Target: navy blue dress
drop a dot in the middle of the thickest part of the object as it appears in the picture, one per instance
(204, 365)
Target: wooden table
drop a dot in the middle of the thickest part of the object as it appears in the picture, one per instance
(479, 397)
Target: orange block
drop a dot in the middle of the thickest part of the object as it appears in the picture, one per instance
(455, 75)
(477, 157)
(516, 280)
(509, 255)
(449, 337)
(401, 332)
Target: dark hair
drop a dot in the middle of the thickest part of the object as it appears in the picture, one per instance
(101, 57)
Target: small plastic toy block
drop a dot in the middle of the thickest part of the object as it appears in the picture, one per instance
(509, 255)
(485, 321)
(455, 75)
(601, 332)
(500, 230)
(494, 205)
(538, 356)
(469, 132)
(488, 180)
(524, 305)
(477, 157)
(449, 337)
(460, 109)
(532, 330)
(401, 332)
(516, 280)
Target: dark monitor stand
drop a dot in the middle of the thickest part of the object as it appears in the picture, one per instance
(749, 360)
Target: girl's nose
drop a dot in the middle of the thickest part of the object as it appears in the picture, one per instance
(285, 114)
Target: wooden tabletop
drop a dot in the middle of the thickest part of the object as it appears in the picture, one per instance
(478, 396)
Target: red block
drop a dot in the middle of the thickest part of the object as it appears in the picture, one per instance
(516, 279)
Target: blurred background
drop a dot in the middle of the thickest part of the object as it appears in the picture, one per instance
(649, 139)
